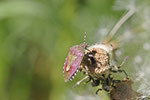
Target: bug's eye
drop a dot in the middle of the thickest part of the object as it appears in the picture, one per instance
(94, 52)
(92, 60)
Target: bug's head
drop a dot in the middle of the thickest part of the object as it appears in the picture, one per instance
(83, 45)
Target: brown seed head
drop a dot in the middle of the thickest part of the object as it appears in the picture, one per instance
(96, 61)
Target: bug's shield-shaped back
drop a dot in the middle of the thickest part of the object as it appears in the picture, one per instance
(73, 61)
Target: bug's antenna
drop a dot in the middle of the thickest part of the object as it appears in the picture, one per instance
(84, 37)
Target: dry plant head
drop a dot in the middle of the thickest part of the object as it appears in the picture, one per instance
(96, 62)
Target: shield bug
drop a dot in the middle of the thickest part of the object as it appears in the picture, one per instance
(73, 60)
(95, 61)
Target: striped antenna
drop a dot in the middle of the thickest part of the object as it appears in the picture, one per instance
(84, 37)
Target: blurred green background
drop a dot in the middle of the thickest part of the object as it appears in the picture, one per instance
(35, 37)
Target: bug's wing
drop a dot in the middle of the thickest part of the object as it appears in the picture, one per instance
(69, 75)
(72, 63)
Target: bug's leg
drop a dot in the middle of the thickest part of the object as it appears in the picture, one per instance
(107, 88)
(114, 82)
(107, 85)
(95, 83)
(121, 70)
(125, 59)
(80, 81)
(119, 67)
(98, 90)
(116, 69)
(90, 78)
